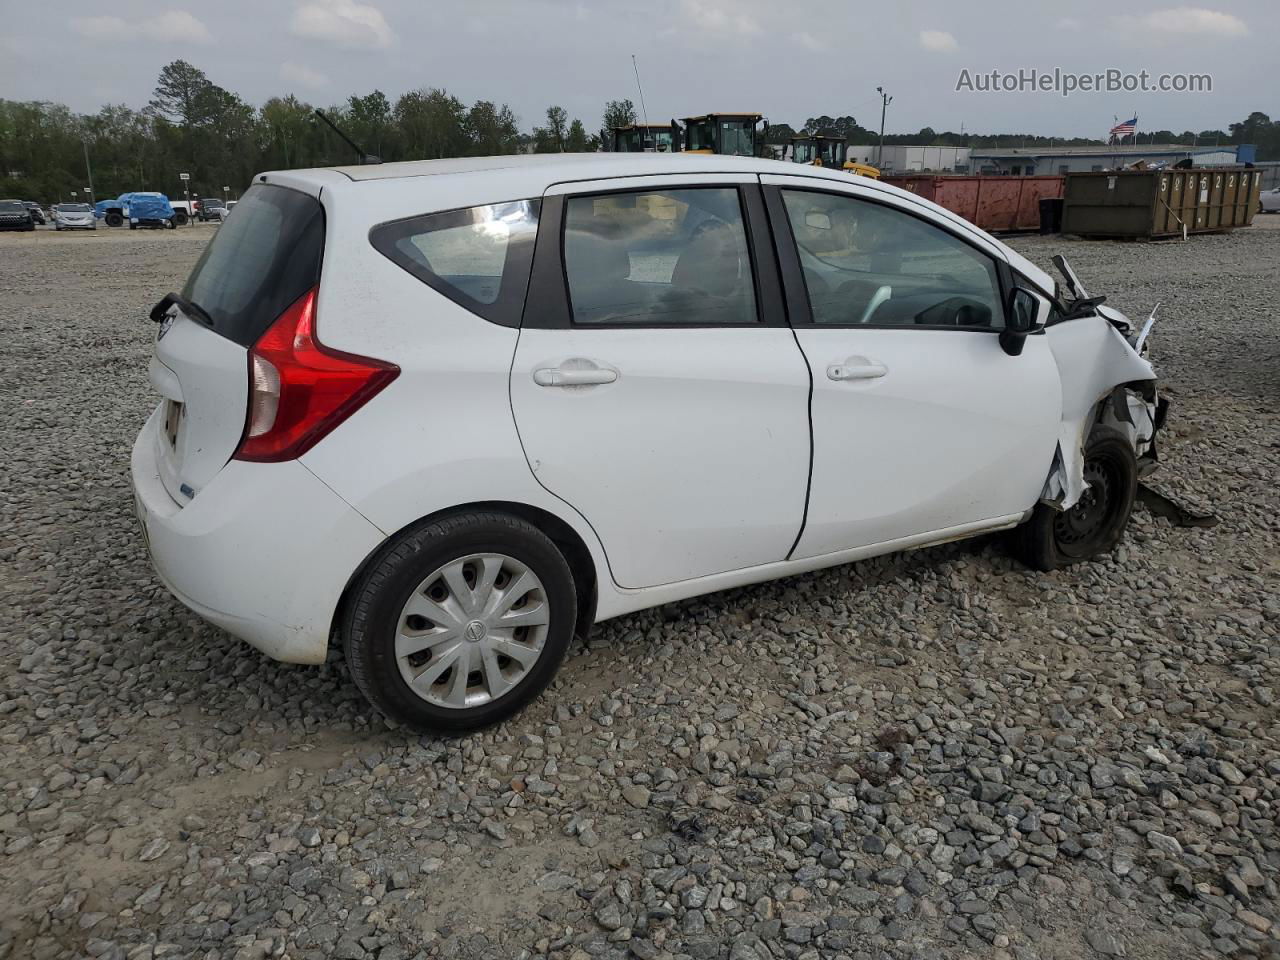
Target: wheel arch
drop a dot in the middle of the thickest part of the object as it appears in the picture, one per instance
(567, 540)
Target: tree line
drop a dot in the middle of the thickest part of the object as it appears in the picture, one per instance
(192, 125)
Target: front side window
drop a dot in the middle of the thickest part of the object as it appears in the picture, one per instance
(666, 257)
(866, 263)
(478, 257)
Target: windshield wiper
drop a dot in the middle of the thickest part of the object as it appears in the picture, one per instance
(193, 310)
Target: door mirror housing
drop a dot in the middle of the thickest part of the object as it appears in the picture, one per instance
(1020, 319)
(1024, 310)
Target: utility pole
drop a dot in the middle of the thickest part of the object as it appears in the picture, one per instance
(885, 100)
(88, 172)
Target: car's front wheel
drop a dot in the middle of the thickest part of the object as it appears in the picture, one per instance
(1052, 539)
(460, 622)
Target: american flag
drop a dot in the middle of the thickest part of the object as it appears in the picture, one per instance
(1125, 129)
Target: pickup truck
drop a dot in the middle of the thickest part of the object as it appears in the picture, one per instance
(139, 209)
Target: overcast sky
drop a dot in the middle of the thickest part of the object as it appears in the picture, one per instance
(789, 61)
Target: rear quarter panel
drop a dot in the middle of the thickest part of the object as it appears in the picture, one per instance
(442, 434)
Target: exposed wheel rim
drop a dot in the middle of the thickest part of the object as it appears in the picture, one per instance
(472, 630)
(1088, 526)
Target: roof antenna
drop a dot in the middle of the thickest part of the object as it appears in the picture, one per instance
(643, 111)
(364, 157)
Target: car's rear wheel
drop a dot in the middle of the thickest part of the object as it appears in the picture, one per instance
(1052, 539)
(459, 623)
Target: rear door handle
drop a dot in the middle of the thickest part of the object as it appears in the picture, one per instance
(574, 376)
(857, 368)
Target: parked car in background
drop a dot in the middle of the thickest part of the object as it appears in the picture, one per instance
(152, 210)
(37, 214)
(1269, 201)
(73, 216)
(455, 411)
(212, 208)
(14, 215)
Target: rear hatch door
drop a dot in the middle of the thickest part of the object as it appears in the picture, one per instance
(253, 269)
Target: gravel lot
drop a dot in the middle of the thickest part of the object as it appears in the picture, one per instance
(934, 755)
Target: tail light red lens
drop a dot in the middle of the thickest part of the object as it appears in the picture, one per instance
(299, 389)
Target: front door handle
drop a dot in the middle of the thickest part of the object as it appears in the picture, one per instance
(857, 368)
(574, 374)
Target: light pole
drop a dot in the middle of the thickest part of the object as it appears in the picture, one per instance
(88, 171)
(885, 100)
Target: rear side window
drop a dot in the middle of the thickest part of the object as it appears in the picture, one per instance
(259, 262)
(662, 258)
(478, 257)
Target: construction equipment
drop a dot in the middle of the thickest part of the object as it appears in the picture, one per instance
(726, 134)
(646, 138)
(823, 150)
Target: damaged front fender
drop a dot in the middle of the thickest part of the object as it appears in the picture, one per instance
(1103, 380)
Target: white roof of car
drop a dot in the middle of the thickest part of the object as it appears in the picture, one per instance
(576, 166)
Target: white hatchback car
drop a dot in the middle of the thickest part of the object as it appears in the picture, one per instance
(453, 412)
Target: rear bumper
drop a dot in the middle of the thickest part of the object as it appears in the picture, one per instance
(263, 551)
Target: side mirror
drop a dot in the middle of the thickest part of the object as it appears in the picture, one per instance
(1020, 320)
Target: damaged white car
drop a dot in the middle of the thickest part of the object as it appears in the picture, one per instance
(452, 413)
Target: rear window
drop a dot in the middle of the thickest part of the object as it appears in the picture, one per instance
(478, 257)
(11, 206)
(259, 262)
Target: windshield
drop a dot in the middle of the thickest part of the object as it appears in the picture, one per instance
(11, 206)
(700, 135)
(802, 153)
(737, 138)
(73, 208)
(627, 141)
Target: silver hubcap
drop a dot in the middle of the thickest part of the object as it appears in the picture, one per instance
(472, 630)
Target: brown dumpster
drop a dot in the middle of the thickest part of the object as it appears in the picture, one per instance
(999, 204)
(1158, 203)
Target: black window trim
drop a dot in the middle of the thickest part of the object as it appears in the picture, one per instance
(517, 261)
(797, 290)
(548, 305)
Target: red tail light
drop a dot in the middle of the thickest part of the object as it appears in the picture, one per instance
(299, 389)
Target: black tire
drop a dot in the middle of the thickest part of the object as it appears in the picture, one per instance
(378, 598)
(1053, 539)
(113, 218)
(180, 218)
(132, 225)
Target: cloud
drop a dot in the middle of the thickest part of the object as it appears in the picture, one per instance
(938, 41)
(100, 27)
(720, 17)
(1194, 21)
(302, 76)
(176, 25)
(342, 22)
(1067, 23)
(808, 40)
(167, 25)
